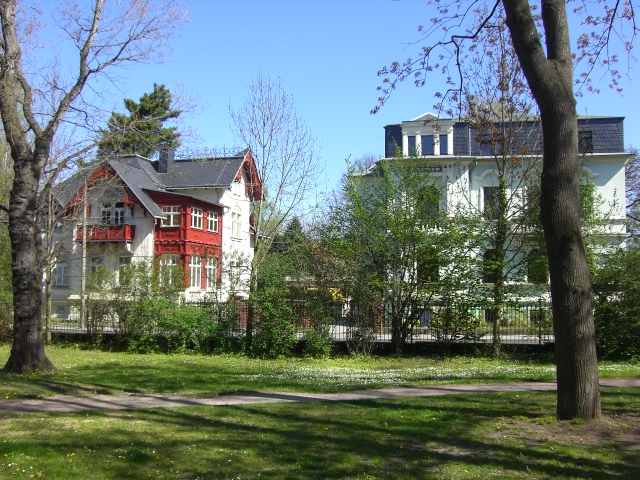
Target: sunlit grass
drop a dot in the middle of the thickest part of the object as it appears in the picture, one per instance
(94, 371)
(457, 436)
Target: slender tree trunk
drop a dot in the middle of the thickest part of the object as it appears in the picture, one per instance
(48, 266)
(550, 78)
(83, 267)
(27, 354)
(499, 280)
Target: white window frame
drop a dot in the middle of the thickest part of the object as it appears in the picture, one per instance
(123, 261)
(195, 271)
(62, 272)
(211, 272)
(173, 213)
(236, 224)
(238, 187)
(212, 222)
(196, 218)
(168, 262)
(105, 213)
(118, 213)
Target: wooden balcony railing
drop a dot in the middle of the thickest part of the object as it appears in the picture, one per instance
(108, 233)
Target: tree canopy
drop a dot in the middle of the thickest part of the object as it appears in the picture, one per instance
(142, 131)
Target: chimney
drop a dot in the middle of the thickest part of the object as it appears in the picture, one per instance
(166, 157)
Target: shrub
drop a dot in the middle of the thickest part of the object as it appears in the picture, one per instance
(276, 333)
(316, 344)
(617, 305)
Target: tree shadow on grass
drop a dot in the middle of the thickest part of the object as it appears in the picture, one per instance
(388, 438)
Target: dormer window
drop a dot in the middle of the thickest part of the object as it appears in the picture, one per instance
(412, 145)
(427, 144)
(585, 141)
(444, 145)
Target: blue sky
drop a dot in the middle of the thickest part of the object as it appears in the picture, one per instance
(327, 54)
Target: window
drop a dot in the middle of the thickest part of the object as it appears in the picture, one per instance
(112, 213)
(211, 272)
(173, 216)
(124, 270)
(491, 202)
(196, 218)
(95, 271)
(238, 188)
(169, 268)
(105, 213)
(412, 145)
(585, 141)
(195, 271)
(427, 144)
(489, 266)
(62, 272)
(490, 144)
(236, 220)
(212, 222)
(444, 145)
(118, 213)
(95, 264)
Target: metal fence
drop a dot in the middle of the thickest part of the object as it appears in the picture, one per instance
(521, 323)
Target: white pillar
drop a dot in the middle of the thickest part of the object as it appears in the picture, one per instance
(418, 144)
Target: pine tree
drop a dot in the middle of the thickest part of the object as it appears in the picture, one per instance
(142, 131)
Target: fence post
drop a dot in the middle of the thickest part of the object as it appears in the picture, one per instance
(542, 315)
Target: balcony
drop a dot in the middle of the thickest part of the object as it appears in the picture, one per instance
(108, 233)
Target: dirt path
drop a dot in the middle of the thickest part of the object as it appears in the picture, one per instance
(137, 401)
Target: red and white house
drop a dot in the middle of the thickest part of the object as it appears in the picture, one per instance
(193, 213)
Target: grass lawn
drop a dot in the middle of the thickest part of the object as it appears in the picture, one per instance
(454, 437)
(94, 371)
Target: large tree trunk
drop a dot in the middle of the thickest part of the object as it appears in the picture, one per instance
(571, 293)
(27, 354)
(550, 78)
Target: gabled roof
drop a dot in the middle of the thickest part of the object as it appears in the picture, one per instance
(201, 172)
(140, 175)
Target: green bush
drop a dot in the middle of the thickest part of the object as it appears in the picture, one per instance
(617, 305)
(276, 333)
(186, 328)
(316, 344)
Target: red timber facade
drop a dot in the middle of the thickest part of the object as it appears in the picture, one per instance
(197, 231)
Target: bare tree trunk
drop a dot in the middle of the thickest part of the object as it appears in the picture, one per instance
(27, 354)
(83, 267)
(500, 239)
(550, 78)
(48, 266)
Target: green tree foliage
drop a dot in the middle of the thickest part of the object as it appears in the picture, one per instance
(292, 236)
(404, 245)
(275, 327)
(617, 305)
(632, 179)
(142, 130)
